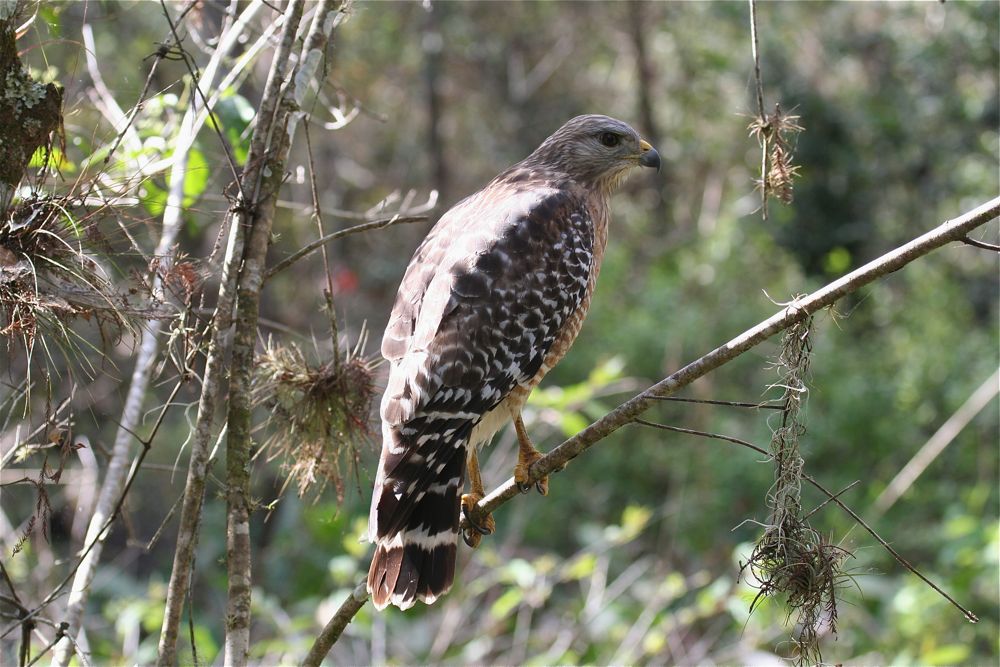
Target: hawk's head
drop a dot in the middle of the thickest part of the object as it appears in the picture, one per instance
(595, 149)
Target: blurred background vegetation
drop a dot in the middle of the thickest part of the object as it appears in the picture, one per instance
(635, 554)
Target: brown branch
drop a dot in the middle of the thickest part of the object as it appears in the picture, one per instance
(336, 625)
(628, 412)
(980, 244)
(798, 310)
(756, 60)
(269, 145)
(732, 404)
(240, 219)
(895, 554)
(356, 229)
(760, 107)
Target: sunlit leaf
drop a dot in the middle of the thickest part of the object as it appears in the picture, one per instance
(506, 603)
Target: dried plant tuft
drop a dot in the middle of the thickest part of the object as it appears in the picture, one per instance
(792, 559)
(775, 134)
(319, 413)
(50, 275)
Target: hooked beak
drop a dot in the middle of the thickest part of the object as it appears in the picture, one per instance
(648, 157)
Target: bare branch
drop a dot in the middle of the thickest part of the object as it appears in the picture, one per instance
(335, 627)
(112, 486)
(798, 310)
(732, 404)
(268, 153)
(979, 399)
(756, 59)
(356, 229)
(980, 244)
(628, 412)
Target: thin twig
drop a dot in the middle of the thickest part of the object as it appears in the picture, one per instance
(765, 136)
(732, 404)
(831, 498)
(318, 243)
(62, 632)
(980, 244)
(317, 215)
(704, 434)
(196, 84)
(756, 59)
(895, 554)
(836, 495)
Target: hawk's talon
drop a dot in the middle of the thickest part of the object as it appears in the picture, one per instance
(527, 455)
(479, 523)
(473, 523)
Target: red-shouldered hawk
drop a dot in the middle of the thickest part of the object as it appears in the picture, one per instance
(491, 301)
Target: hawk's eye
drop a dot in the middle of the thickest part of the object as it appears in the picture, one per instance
(610, 139)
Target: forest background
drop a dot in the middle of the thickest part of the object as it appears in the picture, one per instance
(635, 555)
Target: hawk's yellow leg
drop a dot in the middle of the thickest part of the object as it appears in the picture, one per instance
(526, 456)
(480, 523)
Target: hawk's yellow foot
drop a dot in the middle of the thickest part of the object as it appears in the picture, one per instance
(480, 522)
(526, 456)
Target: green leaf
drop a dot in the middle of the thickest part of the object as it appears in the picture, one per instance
(506, 603)
(572, 423)
(837, 261)
(195, 177)
(153, 198)
(634, 520)
(582, 567)
(234, 114)
(949, 654)
(56, 159)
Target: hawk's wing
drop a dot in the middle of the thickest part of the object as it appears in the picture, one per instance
(481, 303)
(483, 300)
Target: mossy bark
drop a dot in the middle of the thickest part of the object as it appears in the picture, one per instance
(29, 113)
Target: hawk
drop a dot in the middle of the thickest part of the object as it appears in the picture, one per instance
(490, 302)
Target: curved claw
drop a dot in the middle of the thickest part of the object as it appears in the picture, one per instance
(523, 488)
(473, 523)
(470, 539)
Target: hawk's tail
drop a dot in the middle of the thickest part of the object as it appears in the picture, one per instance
(415, 512)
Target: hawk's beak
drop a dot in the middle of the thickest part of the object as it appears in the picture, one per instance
(648, 157)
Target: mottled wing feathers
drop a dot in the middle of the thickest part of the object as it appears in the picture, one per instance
(481, 303)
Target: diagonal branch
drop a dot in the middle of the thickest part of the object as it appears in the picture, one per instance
(333, 236)
(336, 625)
(628, 412)
(799, 309)
(943, 437)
